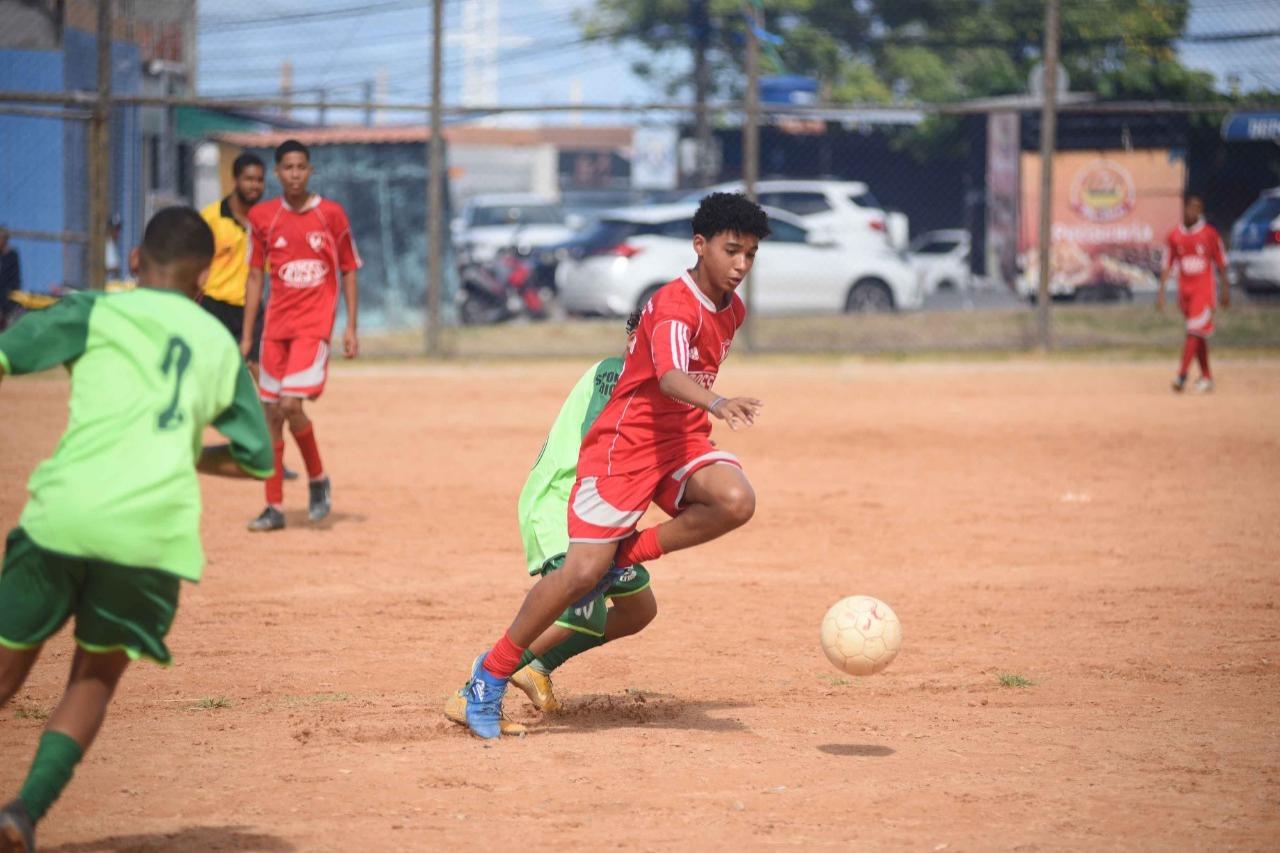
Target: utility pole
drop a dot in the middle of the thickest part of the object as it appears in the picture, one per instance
(435, 187)
(286, 84)
(100, 154)
(751, 151)
(701, 91)
(1048, 139)
(367, 88)
(323, 107)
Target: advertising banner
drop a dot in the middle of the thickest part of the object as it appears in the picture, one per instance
(1112, 211)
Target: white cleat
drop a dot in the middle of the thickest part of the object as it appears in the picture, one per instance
(1204, 386)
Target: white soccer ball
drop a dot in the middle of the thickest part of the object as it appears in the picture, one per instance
(861, 635)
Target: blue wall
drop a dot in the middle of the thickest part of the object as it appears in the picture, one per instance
(43, 162)
(31, 166)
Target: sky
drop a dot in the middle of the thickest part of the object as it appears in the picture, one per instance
(339, 44)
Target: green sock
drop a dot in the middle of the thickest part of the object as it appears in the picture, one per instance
(525, 659)
(56, 758)
(575, 645)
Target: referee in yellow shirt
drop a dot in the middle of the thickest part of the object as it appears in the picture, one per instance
(229, 221)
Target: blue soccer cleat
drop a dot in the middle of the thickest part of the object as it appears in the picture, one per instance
(484, 694)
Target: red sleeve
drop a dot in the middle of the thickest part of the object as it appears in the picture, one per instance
(672, 332)
(257, 241)
(1219, 252)
(348, 257)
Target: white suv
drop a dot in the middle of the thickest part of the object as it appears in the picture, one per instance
(844, 211)
(630, 253)
(1254, 259)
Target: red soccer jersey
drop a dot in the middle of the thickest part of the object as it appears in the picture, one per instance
(641, 427)
(1195, 251)
(305, 250)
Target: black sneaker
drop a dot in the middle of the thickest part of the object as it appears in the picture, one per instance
(321, 499)
(17, 832)
(290, 474)
(271, 519)
(1178, 383)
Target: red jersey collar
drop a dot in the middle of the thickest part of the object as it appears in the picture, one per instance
(1193, 229)
(312, 202)
(702, 297)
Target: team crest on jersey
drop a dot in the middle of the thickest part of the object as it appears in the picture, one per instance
(724, 349)
(694, 355)
(318, 241)
(280, 243)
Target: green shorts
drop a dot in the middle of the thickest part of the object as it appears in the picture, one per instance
(117, 608)
(589, 617)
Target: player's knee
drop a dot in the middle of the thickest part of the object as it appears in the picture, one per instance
(738, 503)
(290, 407)
(582, 577)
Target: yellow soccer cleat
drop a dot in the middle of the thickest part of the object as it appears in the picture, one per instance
(455, 708)
(538, 688)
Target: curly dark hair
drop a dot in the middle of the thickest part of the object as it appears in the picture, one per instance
(721, 212)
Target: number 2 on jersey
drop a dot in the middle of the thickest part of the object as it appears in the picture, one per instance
(177, 358)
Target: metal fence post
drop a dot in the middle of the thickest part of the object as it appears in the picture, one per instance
(100, 154)
(435, 188)
(1048, 134)
(751, 153)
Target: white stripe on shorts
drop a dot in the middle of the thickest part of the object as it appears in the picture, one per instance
(590, 506)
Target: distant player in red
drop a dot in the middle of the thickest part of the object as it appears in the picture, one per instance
(650, 444)
(1195, 249)
(305, 241)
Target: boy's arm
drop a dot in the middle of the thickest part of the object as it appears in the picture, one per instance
(670, 355)
(1220, 260)
(249, 453)
(348, 262)
(735, 411)
(1165, 268)
(44, 339)
(351, 293)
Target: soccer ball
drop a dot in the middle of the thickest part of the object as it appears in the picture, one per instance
(861, 635)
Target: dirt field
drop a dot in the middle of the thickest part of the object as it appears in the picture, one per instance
(1073, 523)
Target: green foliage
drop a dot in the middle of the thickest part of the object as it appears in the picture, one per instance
(1009, 679)
(211, 703)
(917, 50)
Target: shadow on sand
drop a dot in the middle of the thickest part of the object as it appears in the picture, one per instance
(640, 709)
(864, 750)
(297, 520)
(191, 838)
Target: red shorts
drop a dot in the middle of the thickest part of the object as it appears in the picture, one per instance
(1197, 307)
(608, 508)
(296, 367)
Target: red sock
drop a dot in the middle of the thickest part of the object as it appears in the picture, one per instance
(503, 658)
(640, 547)
(310, 452)
(275, 483)
(1189, 348)
(1202, 356)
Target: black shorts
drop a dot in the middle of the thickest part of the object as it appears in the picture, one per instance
(232, 316)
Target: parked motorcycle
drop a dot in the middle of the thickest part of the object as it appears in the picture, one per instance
(502, 289)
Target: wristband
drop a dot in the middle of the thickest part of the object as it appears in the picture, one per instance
(717, 401)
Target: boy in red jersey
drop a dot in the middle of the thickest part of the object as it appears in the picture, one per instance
(306, 241)
(1196, 249)
(650, 444)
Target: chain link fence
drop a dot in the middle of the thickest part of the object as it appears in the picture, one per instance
(907, 228)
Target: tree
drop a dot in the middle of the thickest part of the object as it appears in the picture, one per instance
(924, 51)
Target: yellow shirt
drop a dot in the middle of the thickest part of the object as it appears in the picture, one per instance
(230, 268)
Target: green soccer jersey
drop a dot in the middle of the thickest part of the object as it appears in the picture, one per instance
(150, 370)
(543, 508)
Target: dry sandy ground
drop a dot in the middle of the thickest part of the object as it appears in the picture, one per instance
(1074, 523)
